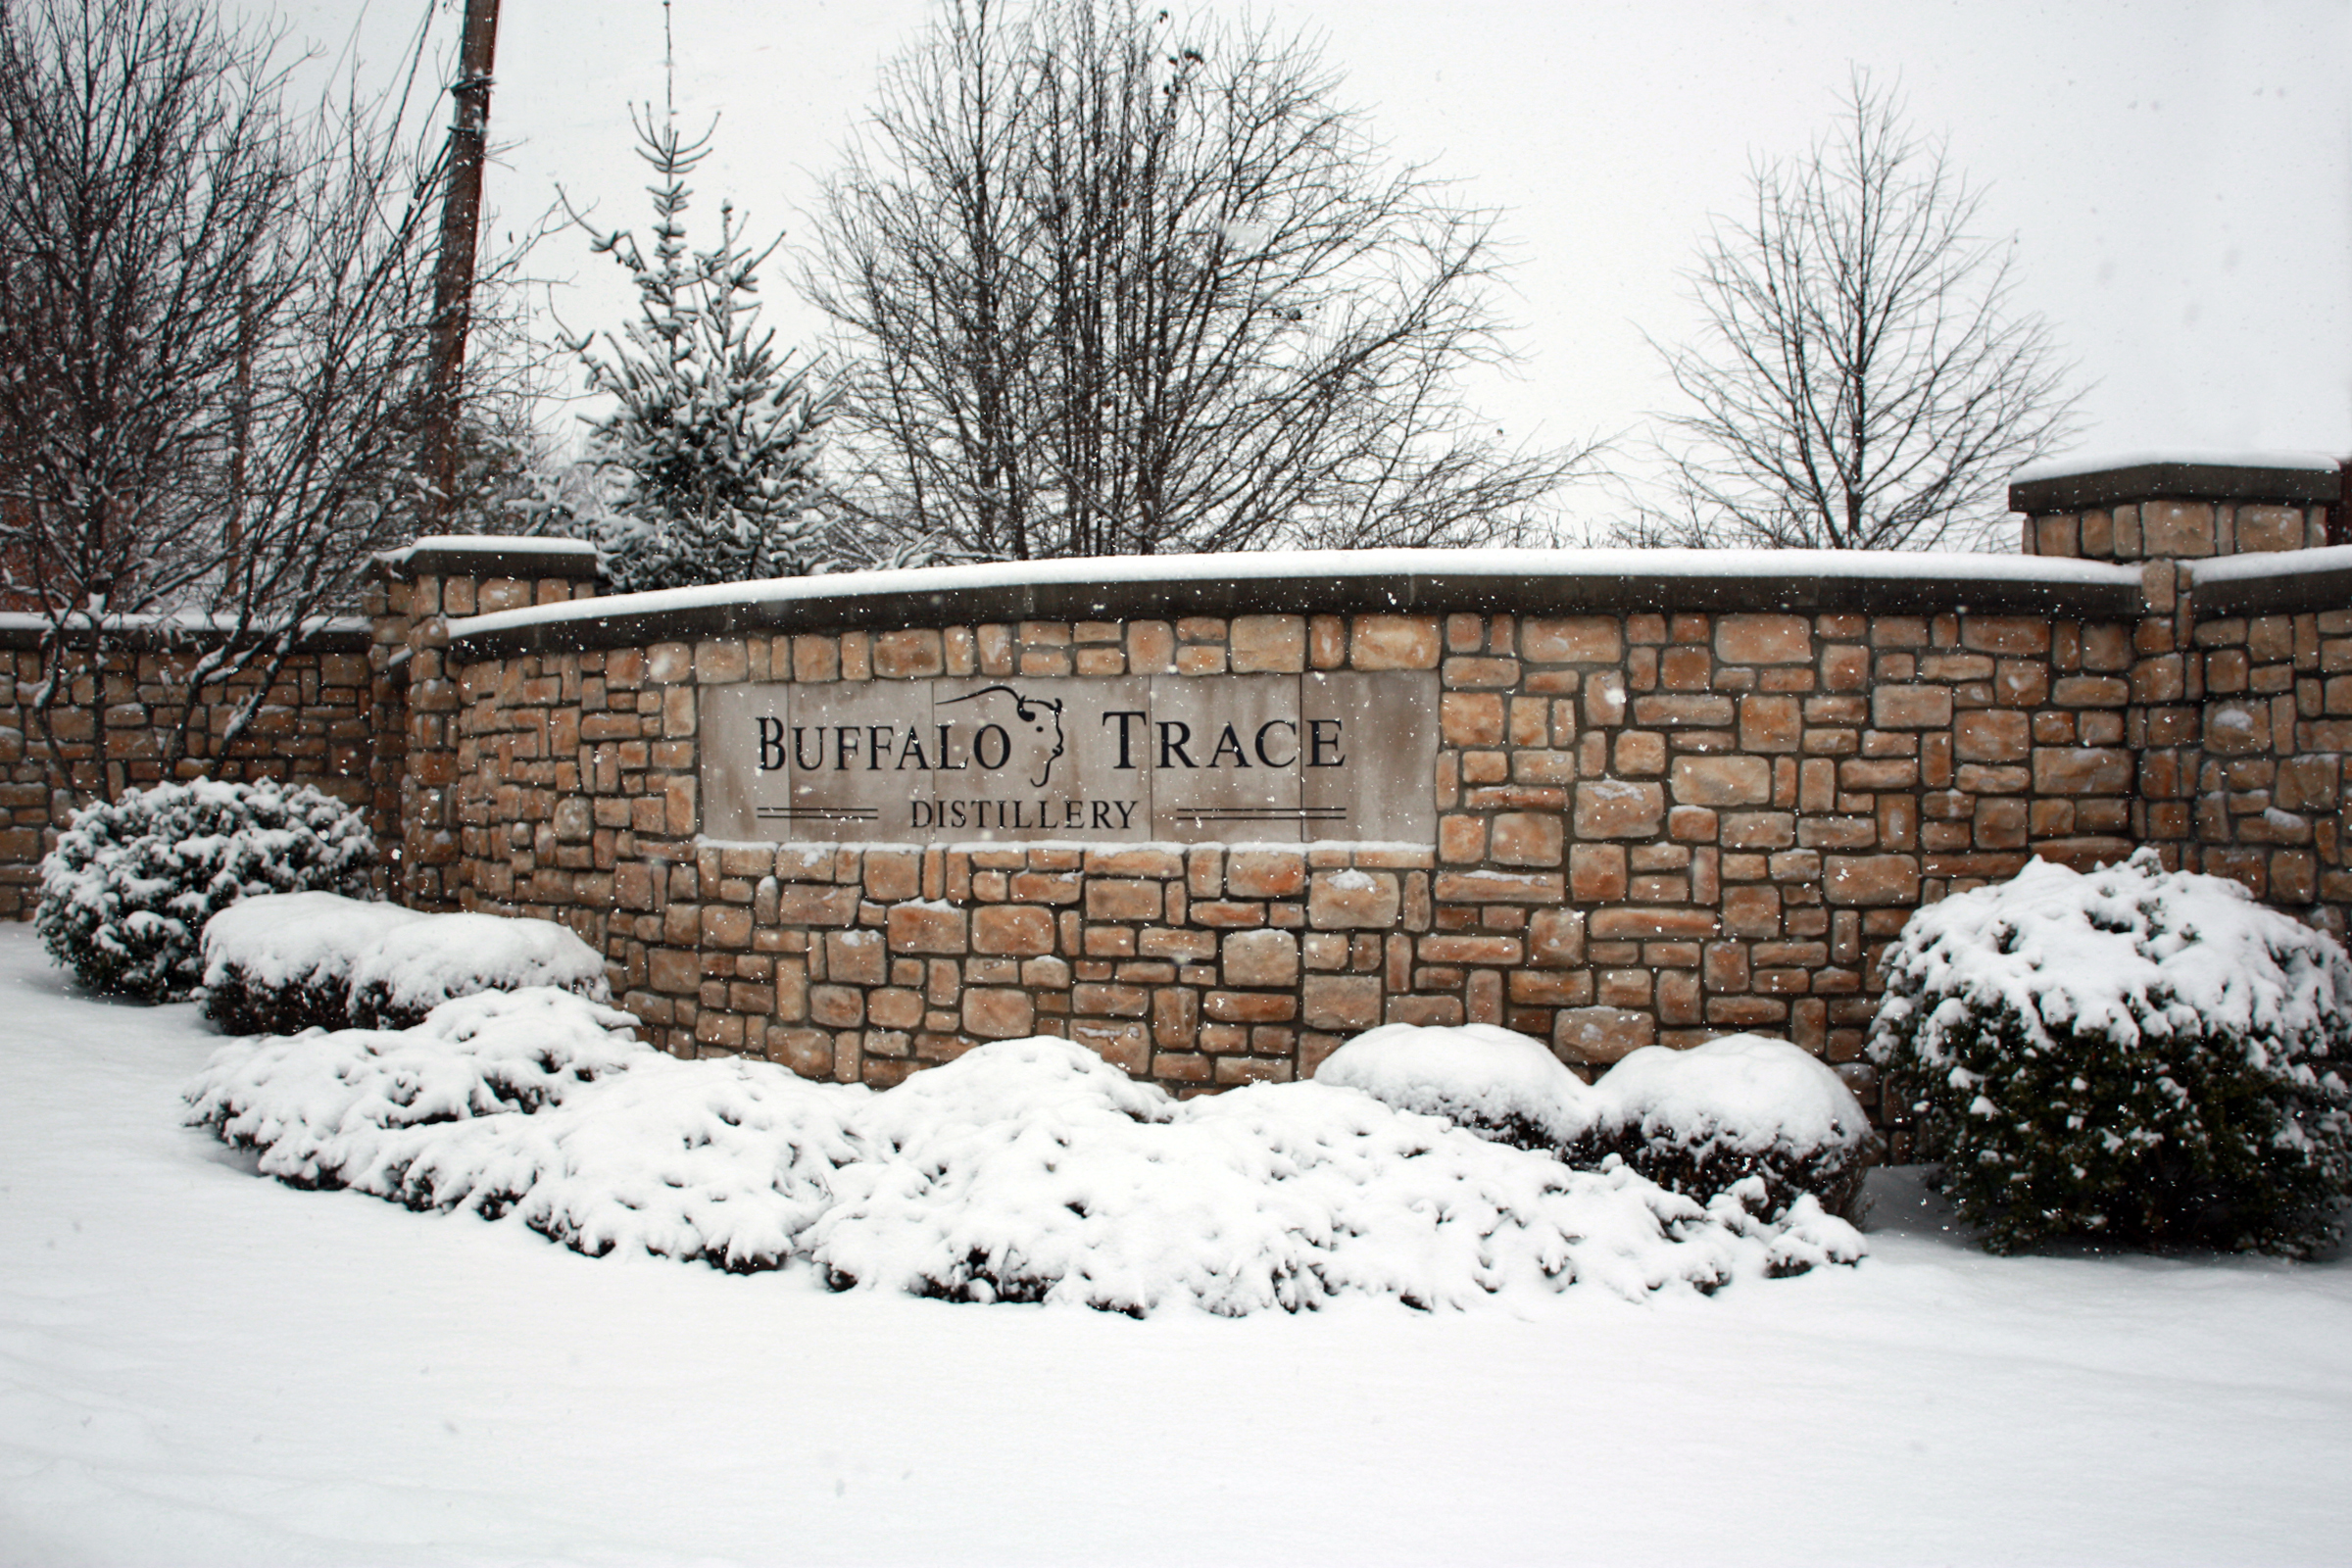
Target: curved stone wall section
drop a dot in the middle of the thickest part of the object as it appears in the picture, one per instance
(1648, 827)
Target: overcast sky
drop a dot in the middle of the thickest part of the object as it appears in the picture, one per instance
(2178, 176)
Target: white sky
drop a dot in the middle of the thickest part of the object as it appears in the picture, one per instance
(2179, 175)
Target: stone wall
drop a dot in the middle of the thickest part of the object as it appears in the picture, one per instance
(1674, 801)
(313, 726)
(2238, 718)
(1654, 827)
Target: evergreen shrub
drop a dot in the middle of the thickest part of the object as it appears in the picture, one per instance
(2132, 1055)
(126, 893)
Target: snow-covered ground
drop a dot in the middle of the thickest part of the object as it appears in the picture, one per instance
(199, 1366)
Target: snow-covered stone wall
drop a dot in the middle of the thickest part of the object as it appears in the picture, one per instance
(104, 734)
(1675, 796)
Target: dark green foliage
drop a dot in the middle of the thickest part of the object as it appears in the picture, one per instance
(126, 894)
(2131, 1055)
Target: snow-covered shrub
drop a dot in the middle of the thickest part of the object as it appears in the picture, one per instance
(1704, 1120)
(126, 893)
(2144, 1055)
(1025, 1170)
(540, 1104)
(281, 963)
(415, 967)
(1502, 1085)
(1701, 1122)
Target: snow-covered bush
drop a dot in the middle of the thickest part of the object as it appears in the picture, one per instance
(1701, 1122)
(126, 893)
(1502, 1085)
(281, 963)
(2133, 1054)
(1025, 1170)
(1704, 1120)
(415, 967)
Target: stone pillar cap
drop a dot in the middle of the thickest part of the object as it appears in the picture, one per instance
(490, 555)
(2293, 478)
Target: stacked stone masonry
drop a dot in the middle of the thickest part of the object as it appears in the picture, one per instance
(101, 735)
(1654, 826)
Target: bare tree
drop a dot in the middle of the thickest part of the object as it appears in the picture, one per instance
(215, 323)
(1863, 383)
(1112, 284)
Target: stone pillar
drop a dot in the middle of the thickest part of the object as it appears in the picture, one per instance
(420, 591)
(2239, 763)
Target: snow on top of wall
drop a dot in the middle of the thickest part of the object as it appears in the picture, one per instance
(1325, 565)
(2273, 563)
(500, 543)
(2170, 457)
(173, 620)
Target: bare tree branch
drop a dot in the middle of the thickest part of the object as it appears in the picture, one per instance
(1112, 283)
(215, 315)
(1863, 383)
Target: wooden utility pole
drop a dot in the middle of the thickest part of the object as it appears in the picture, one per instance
(453, 279)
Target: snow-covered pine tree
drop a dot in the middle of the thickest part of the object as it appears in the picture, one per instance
(712, 443)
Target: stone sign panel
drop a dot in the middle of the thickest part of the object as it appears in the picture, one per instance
(1340, 756)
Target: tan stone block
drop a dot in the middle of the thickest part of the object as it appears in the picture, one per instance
(1151, 647)
(894, 1007)
(1722, 780)
(1632, 923)
(1261, 959)
(1526, 838)
(1327, 641)
(1597, 872)
(1342, 1001)
(2177, 528)
(1276, 643)
(1152, 861)
(2235, 729)
(1472, 719)
(1352, 899)
(2307, 784)
(1604, 697)
(1991, 735)
(1101, 999)
(1870, 879)
(1018, 929)
(2000, 823)
(1114, 899)
(1911, 706)
(721, 659)
(1460, 948)
(2266, 528)
(1251, 1006)
(1484, 886)
(805, 903)
(1555, 938)
(1598, 1036)
(1572, 640)
(908, 655)
(1616, 809)
(1770, 723)
(926, 928)
(858, 957)
(1394, 642)
(1461, 840)
(994, 1012)
(1752, 639)
(1265, 873)
(2083, 769)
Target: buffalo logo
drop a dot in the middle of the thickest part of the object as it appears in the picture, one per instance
(1041, 716)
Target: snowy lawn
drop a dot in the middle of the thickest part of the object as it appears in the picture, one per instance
(200, 1366)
